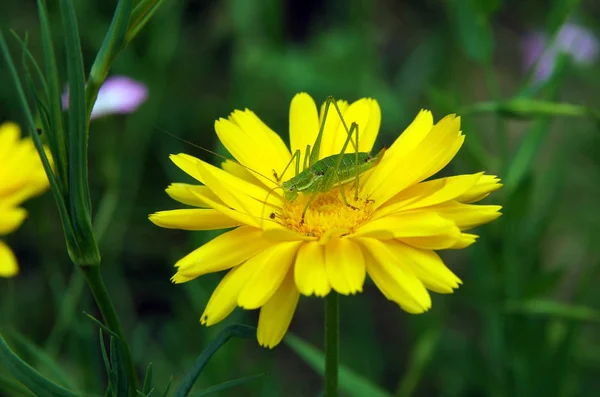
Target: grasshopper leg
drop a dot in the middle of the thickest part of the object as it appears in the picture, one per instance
(310, 200)
(295, 156)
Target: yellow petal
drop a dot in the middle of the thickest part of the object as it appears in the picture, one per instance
(276, 315)
(269, 272)
(369, 133)
(429, 193)
(486, 185)
(437, 242)
(358, 113)
(11, 218)
(345, 266)
(413, 134)
(193, 219)
(397, 282)
(310, 274)
(465, 240)
(407, 224)
(21, 194)
(331, 128)
(467, 216)
(238, 170)
(427, 266)
(188, 164)
(239, 186)
(275, 232)
(9, 136)
(251, 146)
(241, 216)
(248, 199)
(22, 170)
(184, 193)
(304, 124)
(250, 123)
(8, 262)
(223, 252)
(224, 298)
(395, 173)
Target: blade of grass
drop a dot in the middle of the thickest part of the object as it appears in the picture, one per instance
(554, 309)
(43, 358)
(227, 385)
(30, 124)
(148, 380)
(111, 46)
(240, 331)
(10, 385)
(29, 377)
(54, 98)
(350, 382)
(420, 356)
(140, 16)
(79, 196)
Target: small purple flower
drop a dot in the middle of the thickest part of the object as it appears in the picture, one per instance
(541, 54)
(118, 94)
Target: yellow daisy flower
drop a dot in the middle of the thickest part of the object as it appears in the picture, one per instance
(21, 176)
(390, 231)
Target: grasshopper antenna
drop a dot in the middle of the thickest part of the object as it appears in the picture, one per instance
(214, 153)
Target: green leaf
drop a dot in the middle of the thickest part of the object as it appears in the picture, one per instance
(421, 355)
(27, 56)
(166, 392)
(474, 30)
(140, 16)
(9, 384)
(30, 124)
(102, 326)
(147, 388)
(240, 331)
(41, 357)
(105, 359)
(111, 46)
(527, 108)
(554, 309)
(117, 369)
(29, 377)
(227, 385)
(59, 153)
(86, 252)
(351, 383)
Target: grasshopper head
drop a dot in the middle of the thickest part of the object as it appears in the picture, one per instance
(290, 192)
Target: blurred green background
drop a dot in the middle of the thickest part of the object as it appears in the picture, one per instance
(525, 322)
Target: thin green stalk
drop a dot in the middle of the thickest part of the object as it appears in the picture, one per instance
(491, 83)
(96, 284)
(332, 347)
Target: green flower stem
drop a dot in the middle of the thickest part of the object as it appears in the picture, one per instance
(332, 347)
(96, 284)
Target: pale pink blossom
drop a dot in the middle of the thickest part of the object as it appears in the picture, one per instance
(118, 95)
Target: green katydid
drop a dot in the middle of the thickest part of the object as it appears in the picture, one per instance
(321, 176)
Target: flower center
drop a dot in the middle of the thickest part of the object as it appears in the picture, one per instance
(326, 213)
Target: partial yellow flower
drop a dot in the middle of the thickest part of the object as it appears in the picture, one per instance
(390, 232)
(21, 177)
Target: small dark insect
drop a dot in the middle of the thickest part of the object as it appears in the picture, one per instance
(272, 216)
(39, 131)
